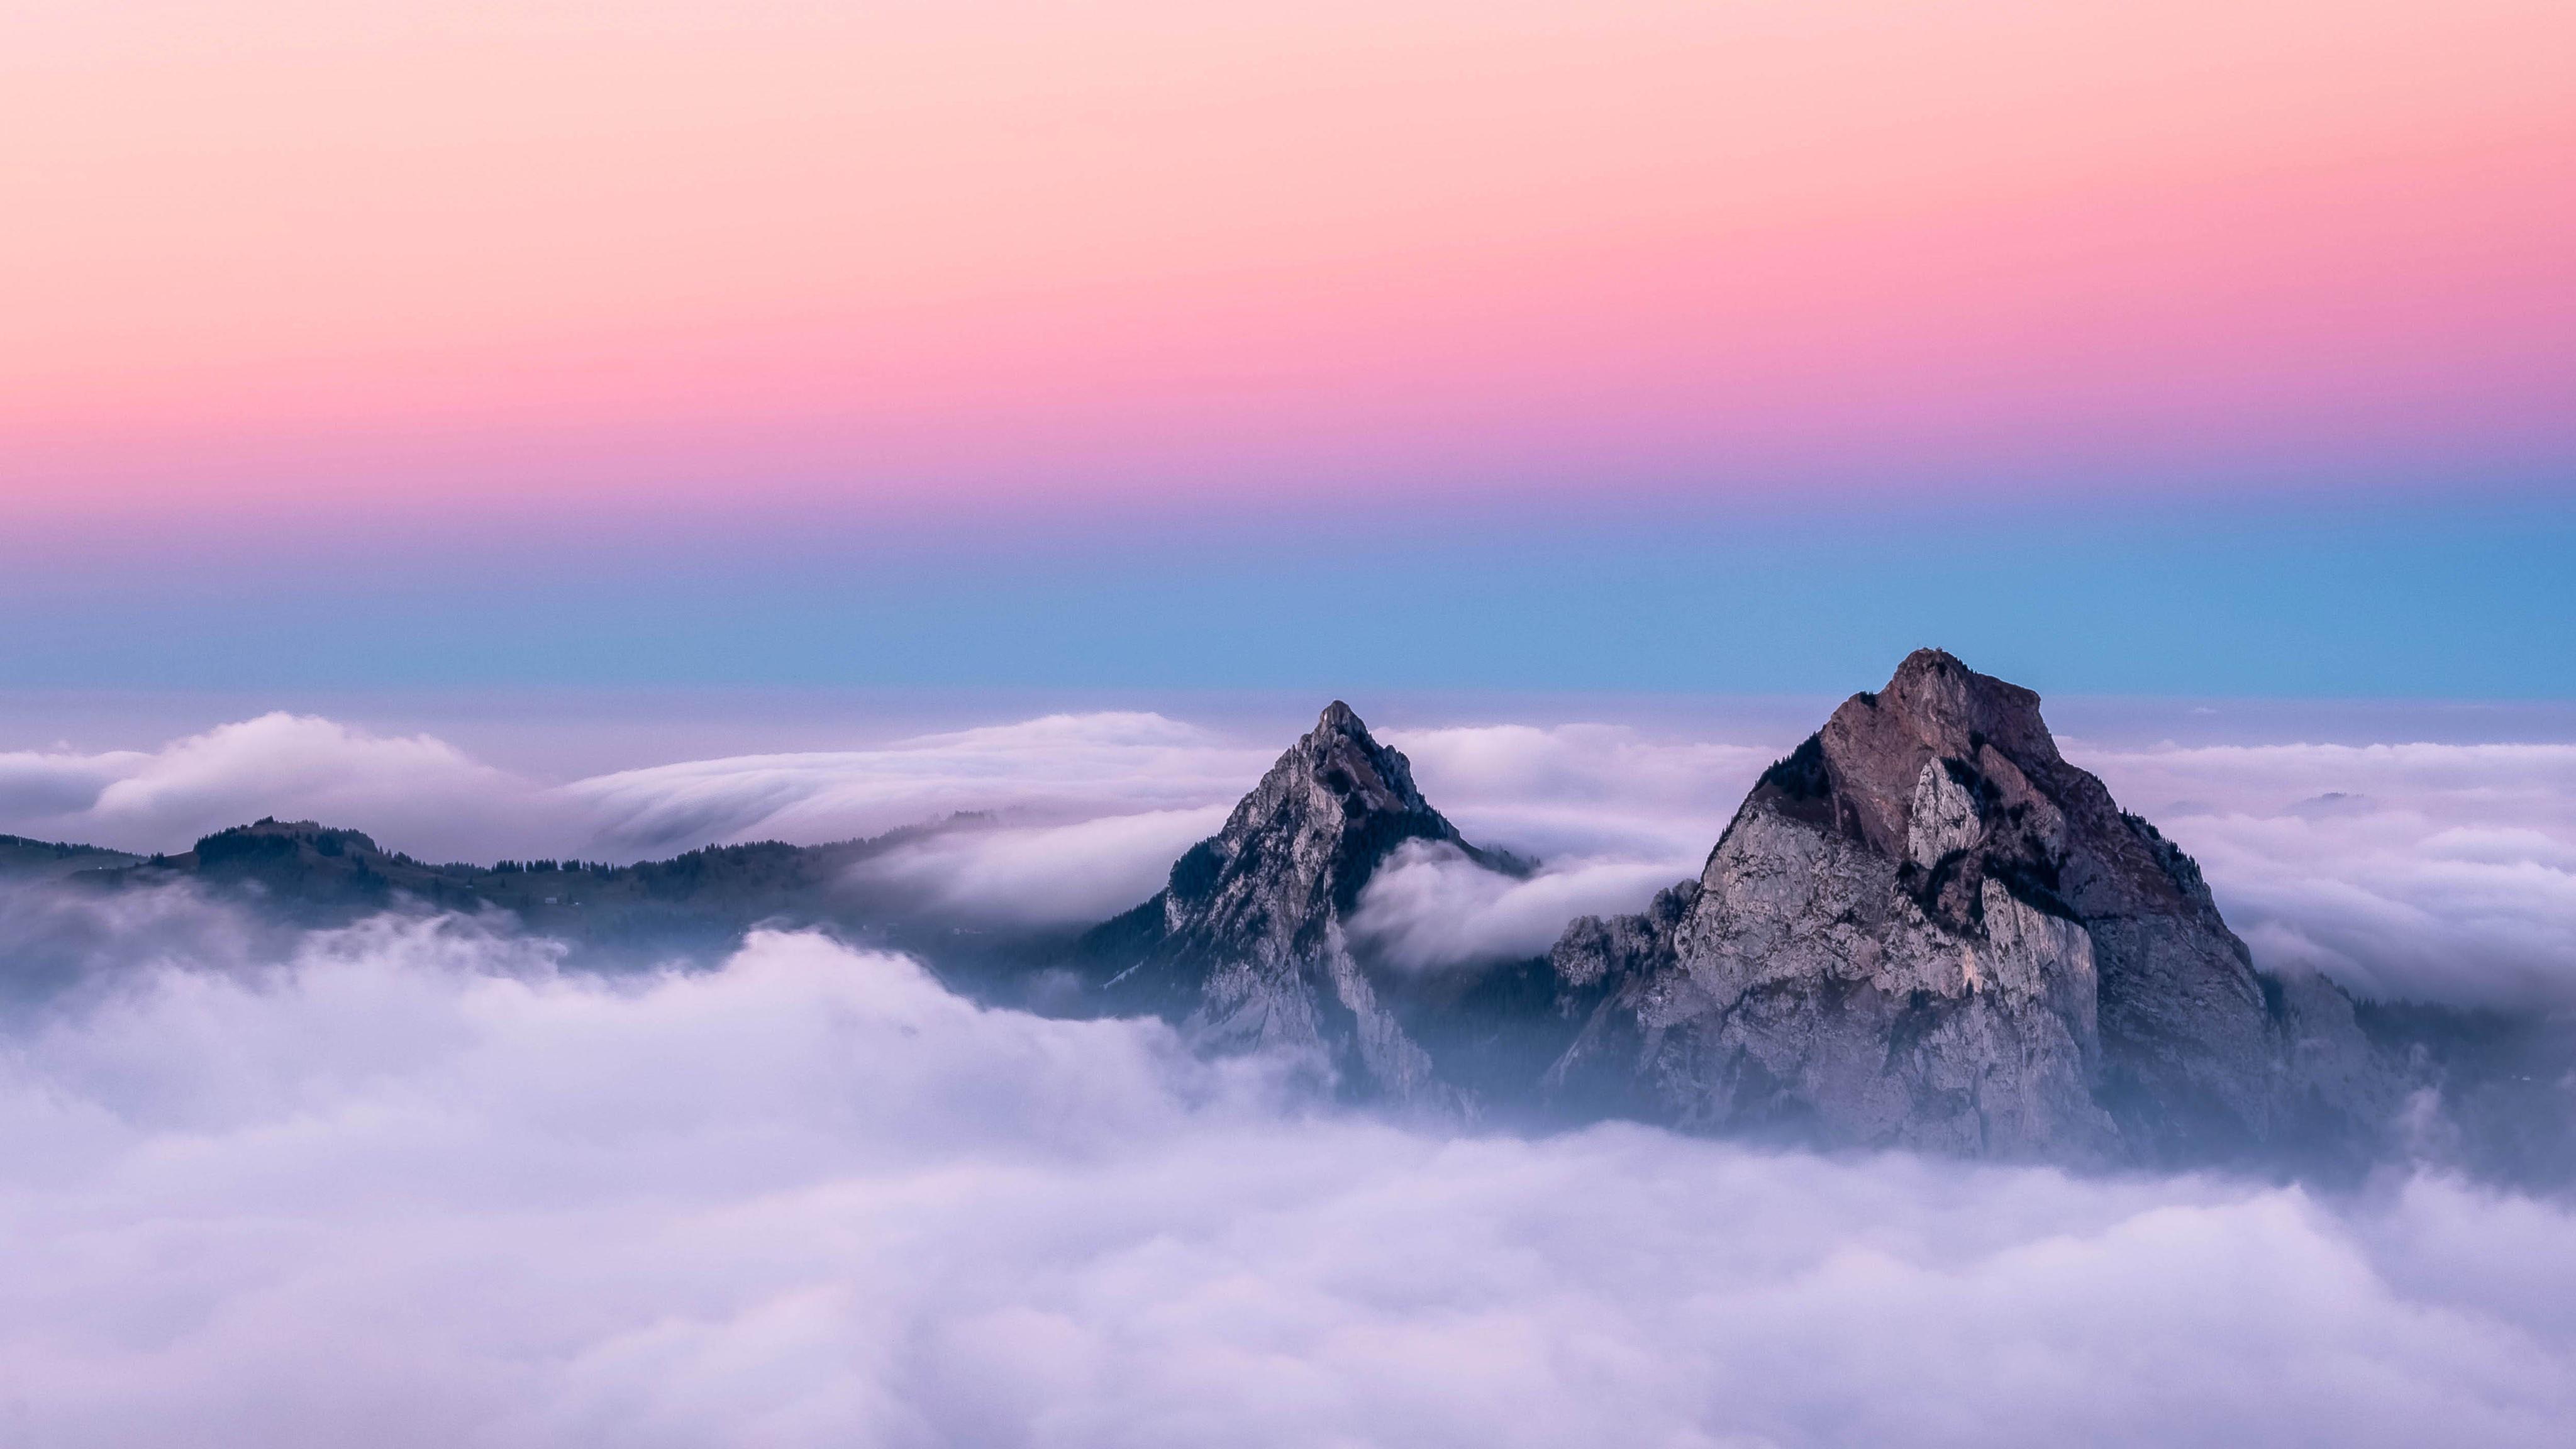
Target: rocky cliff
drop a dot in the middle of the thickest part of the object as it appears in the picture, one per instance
(1246, 946)
(1924, 928)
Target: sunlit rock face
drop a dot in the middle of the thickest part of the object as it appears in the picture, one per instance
(1247, 945)
(1924, 928)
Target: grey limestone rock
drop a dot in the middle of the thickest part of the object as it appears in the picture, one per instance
(1924, 928)
(1246, 946)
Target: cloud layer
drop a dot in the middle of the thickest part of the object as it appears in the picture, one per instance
(2435, 870)
(2422, 870)
(1430, 908)
(405, 1184)
(421, 794)
(1059, 768)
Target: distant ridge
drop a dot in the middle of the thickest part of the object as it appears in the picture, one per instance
(696, 904)
(20, 856)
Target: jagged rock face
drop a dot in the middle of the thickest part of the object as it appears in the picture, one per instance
(1247, 944)
(1925, 928)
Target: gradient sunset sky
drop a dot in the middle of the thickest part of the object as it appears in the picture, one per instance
(2184, 348)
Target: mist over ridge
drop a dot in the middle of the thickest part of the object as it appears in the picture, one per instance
(2419, 868)
(986, 1216)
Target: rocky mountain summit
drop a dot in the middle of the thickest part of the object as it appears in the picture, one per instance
(1247, 946)
(1924, 928)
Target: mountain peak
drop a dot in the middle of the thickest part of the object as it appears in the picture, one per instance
(1951, 707)
(1326, 813)
(1247, 941)
(1863, 770)
(1336, 774)
(1927, 927)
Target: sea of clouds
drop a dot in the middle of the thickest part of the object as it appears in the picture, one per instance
(409, 1184)
(413, 1182)
(2443, 871)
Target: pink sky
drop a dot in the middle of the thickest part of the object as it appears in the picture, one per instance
(286, 251)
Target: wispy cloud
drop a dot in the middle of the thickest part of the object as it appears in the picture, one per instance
(1060, 768)
(1047, 874)
(423, 794)
(1430, 908)
(2423, 870)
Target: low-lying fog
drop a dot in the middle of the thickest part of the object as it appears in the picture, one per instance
(413, 1183)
